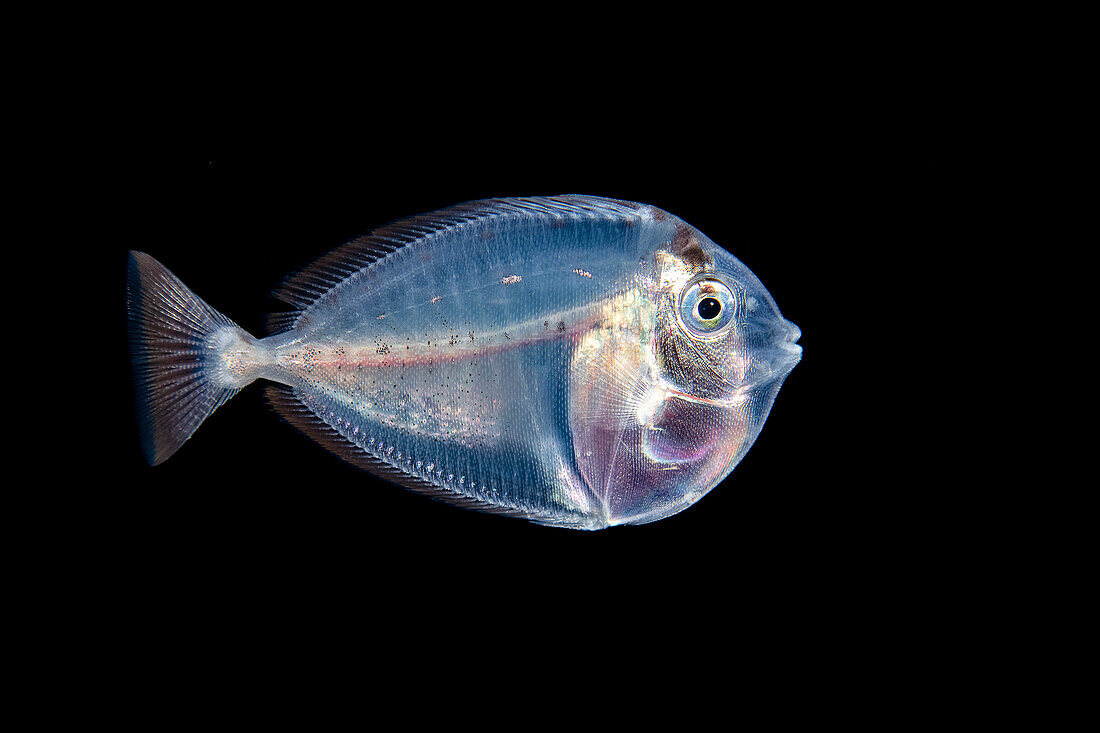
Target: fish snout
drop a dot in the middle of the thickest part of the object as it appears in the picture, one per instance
(787, 352)
(777, 352)
(788, 343)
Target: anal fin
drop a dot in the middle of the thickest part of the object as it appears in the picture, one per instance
(286, 402)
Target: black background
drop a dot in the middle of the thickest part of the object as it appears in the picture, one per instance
(251, 513)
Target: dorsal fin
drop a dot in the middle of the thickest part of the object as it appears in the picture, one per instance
(290, 408)
(306, 286)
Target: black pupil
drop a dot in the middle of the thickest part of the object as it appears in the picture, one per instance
(709, 308)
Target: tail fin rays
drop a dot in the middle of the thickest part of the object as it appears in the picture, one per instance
(177, 344)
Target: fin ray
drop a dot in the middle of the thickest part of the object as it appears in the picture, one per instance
(174, 356)
(285, 401)
(305, 287)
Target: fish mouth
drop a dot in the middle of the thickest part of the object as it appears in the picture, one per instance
(787, 353)
(789, 344)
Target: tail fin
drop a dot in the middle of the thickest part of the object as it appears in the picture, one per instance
(188, 358)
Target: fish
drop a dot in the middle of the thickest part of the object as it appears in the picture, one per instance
(573, 360)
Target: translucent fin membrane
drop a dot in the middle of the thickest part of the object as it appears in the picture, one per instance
(304, 288)
(173, 345)
(294, 411)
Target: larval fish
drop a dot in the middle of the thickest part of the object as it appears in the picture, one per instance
(577, 361)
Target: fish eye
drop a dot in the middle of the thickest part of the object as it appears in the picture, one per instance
(707, 307)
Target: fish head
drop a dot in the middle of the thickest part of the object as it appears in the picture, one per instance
(721, 350)
(719, 336)
(669, 414)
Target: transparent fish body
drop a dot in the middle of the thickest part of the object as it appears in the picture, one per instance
(550, 358)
